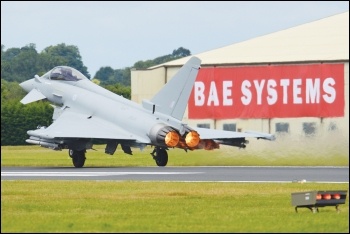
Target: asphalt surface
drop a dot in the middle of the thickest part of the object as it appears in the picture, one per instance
(183, 174)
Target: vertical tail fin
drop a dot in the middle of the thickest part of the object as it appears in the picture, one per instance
(173, 97)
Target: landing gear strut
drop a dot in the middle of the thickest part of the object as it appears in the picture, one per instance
(78, 157)
(160, 156)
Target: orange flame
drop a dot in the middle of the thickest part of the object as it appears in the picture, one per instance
(208, 144)
(192, 139)
(172, 139)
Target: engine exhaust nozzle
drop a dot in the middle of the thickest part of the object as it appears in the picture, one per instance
(192, 139)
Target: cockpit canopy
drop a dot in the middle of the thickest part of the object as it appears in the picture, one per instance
(64, 73)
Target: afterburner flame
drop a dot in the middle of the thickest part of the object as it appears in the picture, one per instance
(192, 139)
(172, 139)
(208, 144)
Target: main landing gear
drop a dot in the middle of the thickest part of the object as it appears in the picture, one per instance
(160, 156)
(78, 157)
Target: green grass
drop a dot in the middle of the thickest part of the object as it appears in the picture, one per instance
(225, 156)
(88, 206)
(101, 206)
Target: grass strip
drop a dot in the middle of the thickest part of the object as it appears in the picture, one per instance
(91, 206)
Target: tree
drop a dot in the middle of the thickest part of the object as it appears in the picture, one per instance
(104, 74)
(70, 54)
(144, 64)
(108, 76)
(120, 90)
(178, 53)
(17, 119)
(11, 91)
(18, 64)
(181, 52)
(22, 64)
(123, 76)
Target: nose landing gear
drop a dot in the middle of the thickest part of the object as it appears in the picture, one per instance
(78, 157)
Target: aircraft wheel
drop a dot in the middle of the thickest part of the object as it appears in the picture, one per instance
(78, 158)
(161, 157)
(71, 152)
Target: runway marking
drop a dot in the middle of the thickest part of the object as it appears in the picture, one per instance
(91, 173)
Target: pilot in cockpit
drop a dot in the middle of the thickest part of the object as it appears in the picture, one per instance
(67, 73)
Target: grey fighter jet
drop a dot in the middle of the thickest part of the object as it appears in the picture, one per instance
(84, 111)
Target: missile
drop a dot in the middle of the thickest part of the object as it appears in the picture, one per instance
(44, 144)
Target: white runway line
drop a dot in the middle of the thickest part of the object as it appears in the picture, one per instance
(62, 174)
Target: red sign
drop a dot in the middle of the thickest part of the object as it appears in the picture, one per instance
(276, 91)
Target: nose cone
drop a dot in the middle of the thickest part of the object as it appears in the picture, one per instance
(27, 85)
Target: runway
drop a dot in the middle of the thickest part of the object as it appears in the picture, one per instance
(183, 174)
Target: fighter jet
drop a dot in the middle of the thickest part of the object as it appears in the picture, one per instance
(84, 112)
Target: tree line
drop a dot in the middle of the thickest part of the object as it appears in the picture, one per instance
(20, 64)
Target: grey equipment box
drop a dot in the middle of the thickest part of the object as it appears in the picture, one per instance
(314, 199)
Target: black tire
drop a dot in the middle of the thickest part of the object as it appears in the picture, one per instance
(78, 158)
(71, 152)
(161, 157)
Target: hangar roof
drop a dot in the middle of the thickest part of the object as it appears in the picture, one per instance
(326, 39)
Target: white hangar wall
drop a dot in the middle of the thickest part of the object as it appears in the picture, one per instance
(146, 83)
(319, 42)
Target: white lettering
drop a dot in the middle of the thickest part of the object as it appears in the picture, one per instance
(259, 88)
(272, 93)
(213, 95)
(247, 95)
(297, 91)
(199, 97)
(226, 93)
(285, 83)
(329, 89)
(312, 91)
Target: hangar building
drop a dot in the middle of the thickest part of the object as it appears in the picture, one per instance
(292, 83)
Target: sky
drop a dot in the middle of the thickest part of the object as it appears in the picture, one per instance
(121, 33)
